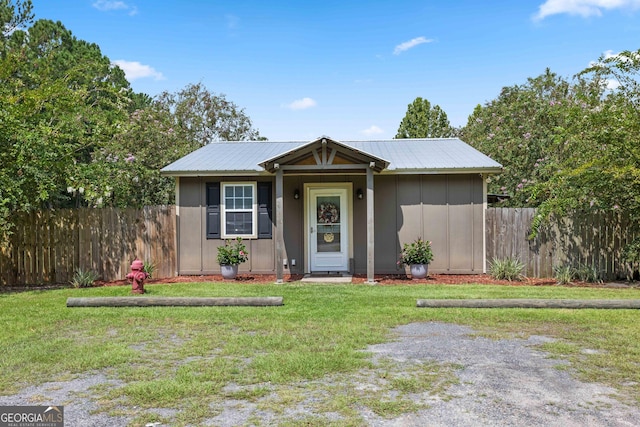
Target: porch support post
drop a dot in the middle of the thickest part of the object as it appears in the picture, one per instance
(279, 228)
(370, 229)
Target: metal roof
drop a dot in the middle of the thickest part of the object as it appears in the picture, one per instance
(429, 155)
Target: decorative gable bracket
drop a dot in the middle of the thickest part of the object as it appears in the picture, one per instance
(325, 154)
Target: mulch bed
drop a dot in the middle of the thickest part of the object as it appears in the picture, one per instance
(434, 279)
(382, 280)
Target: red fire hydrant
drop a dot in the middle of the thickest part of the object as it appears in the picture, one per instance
(137, 277)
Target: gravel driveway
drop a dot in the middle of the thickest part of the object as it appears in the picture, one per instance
(503, 382)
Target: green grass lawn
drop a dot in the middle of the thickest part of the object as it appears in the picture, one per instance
(187, 357)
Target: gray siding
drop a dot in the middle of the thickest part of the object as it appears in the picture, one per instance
(293, 220)
(446, 209)
(191, 213)
(197, 254)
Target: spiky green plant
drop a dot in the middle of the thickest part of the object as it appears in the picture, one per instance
(149, 267)
(83, 278)
(563, 274)
(509, 268)
(588, 273)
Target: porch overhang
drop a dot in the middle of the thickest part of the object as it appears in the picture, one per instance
(324, 154)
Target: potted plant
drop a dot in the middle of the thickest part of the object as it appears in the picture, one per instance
(417, 256)
(230, 256)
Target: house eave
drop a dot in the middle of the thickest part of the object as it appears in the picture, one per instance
(195, 174)
(440, 171)
(240, 173)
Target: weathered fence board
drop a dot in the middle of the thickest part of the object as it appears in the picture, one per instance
(594, 240)
(48, 246)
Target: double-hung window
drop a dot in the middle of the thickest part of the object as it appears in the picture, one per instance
(239, 210)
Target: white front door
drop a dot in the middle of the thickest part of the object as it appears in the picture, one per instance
(328, 229)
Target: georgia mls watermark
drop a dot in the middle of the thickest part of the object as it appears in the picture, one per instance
(31, 416)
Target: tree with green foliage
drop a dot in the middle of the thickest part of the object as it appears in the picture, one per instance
(529, 129)
(423, 120)
(126, 171)
(603, 171)
(204, 117)
(62, 101)
(37, 139)
(568, 146)
(14, 15)
(73, 133)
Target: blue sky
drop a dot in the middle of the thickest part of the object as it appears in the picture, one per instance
(347, 69)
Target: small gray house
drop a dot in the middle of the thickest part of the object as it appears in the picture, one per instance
(331, 206)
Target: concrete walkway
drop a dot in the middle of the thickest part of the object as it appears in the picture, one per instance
(327, 278)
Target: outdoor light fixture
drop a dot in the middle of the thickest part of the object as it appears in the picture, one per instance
(359, 193)
(296, 194)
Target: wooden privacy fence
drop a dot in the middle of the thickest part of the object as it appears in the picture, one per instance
(594, 240)
(48, 246)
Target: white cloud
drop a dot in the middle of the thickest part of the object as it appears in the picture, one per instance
(109, 5)
(134, 70)
(373, 130)
(623, 57)
(302, 104)
(584, 8)
(410, 44)
(612, 84)
(605, 55)
(628, 57)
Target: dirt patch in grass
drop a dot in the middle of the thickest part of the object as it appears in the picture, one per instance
(432, 373)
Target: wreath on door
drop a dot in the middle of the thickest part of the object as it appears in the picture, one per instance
(328, 213)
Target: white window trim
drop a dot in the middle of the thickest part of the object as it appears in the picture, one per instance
(254, 210)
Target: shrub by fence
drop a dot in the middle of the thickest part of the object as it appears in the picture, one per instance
(48, 246)
(595, 240)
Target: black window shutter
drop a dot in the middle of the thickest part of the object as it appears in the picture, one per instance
(213, 210)
(264, 211)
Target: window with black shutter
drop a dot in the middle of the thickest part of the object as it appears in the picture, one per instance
(265, 224)
(213, 210)
(239, 209)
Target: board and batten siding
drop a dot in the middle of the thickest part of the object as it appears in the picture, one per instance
(197, 254)
(444, 209)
